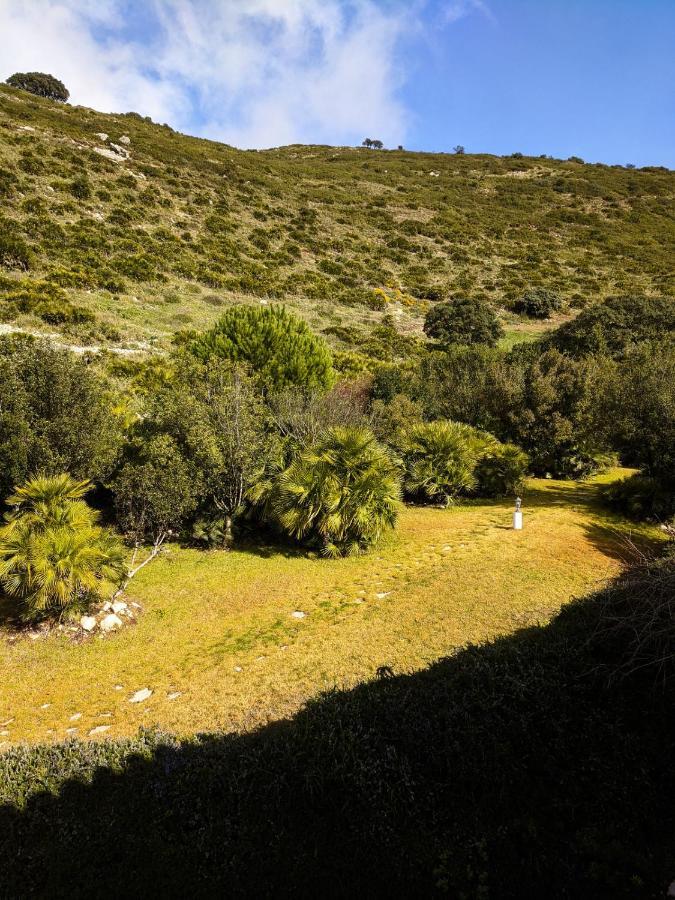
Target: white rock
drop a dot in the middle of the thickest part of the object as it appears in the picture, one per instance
(6, 722)
(88, 623)
(109, 154)
(4, 733)
(119, 687)
(100, 729)
(174, 695)
(45, 706)
(141, 695)
(107, 606)
(121, 151)
(102, 135)
(298, 614)
(382, 594)
(237, 669)
(125, 139)
(75, 717)
(110, 622)
(119, 606)
(71, 730)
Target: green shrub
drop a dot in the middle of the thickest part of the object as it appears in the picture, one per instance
(341, 493)
(617, 323)
(53, 552)
(462, 321)
(640, 497)
(40, 84)
(440, 460)
(280, 348)
(501, 470)
(538, 303)
(14, 251)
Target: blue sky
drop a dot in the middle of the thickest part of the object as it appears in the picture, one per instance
(593, 78)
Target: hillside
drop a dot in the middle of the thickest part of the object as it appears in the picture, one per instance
(123, 247)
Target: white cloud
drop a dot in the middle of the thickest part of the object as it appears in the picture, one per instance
(250, 72)
(459, 9)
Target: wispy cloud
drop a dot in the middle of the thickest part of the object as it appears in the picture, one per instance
(249, 72)
(459, 9)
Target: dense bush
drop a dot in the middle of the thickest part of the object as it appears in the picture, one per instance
(55, 415)
(53, 552)
(440, 460)
(617, 323)
(279, 347)
(462, 321)
(641, 497)
(501, 470)
(341, 493)
(538, 303)
(39, 83)
(633, 408)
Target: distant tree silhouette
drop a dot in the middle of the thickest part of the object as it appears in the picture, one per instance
(459, 150)
(368, 143)
(41, 84)
(377, 145)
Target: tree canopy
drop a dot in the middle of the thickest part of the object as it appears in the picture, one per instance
(462, 321)
(279, 348)
(41, 84)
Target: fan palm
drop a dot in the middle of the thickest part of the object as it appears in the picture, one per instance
(53, 552)
(343, 492)
(440, 460)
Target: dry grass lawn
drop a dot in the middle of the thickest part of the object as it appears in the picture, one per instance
(219, 627)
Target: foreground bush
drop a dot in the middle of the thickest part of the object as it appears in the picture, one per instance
(440, 460)
(521, 769)
(53, 553)
(342, 493)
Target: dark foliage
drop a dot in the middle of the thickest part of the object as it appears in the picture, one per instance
(41, 84)
(462, 321)
(538, 303)
(536, 766)
(617, 323)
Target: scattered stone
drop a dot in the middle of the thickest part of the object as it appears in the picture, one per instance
(45, 706)
(446, 548)
(107, 606)
(121, 151)
(125, 139)
(359, 600)
(6, 722)
(75, 717)
(135, 605)
(109, 154)
(104, 716)
(101, 135)
(71, 730)
(141, 695)
(298, 614)
(119, 606)
(50, 189)
(88, 623)
(4, 733)
(173, 695)
(110, 622)
(99, 729)
(382, 594)
(238, 669)
(119, 687)
(34, 635)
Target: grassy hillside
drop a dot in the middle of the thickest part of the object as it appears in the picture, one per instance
(124, 251)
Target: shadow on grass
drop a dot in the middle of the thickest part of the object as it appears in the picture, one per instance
(517, 769)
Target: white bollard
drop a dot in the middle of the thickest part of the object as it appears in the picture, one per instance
(518, 516)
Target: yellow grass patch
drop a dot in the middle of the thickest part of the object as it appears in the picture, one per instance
(219, 627)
